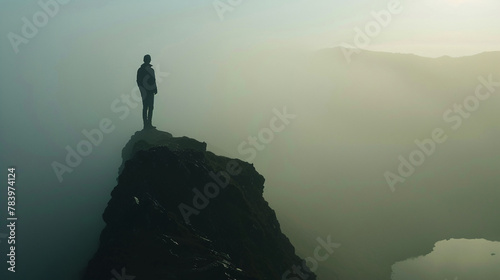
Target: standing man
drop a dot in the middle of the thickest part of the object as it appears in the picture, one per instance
(147, 85)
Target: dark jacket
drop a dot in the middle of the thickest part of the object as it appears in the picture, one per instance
(146, 80)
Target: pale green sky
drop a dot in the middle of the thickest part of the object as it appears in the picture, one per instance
(427, 27)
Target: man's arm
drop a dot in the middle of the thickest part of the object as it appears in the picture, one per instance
(138, 78)
(155, 89)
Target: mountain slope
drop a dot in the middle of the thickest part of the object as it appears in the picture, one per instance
(180, 212)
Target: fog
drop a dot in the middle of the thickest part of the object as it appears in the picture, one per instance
(224, 79)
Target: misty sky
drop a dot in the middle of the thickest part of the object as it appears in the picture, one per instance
(221, 76)
(429, 27)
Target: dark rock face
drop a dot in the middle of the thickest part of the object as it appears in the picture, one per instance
(180, 212)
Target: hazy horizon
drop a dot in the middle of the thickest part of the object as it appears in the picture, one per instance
(416, 54)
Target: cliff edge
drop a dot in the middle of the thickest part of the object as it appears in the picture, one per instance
(181, 212)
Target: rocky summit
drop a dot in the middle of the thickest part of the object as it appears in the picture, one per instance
(181, 212)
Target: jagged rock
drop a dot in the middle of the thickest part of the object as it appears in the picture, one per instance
(181, 212)
(148, 138)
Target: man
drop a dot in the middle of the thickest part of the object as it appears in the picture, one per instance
(147, 85)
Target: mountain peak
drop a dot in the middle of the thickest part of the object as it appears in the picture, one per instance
(148, 138)
(181, 212)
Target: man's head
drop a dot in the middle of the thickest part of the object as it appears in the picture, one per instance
(147, 58)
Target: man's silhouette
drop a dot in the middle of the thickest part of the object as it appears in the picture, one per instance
(147, 85)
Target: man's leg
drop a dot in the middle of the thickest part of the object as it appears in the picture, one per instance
(144, 96)
(150, 110)
(145, 115)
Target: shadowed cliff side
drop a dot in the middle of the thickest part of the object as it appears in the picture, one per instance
(181, 212)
